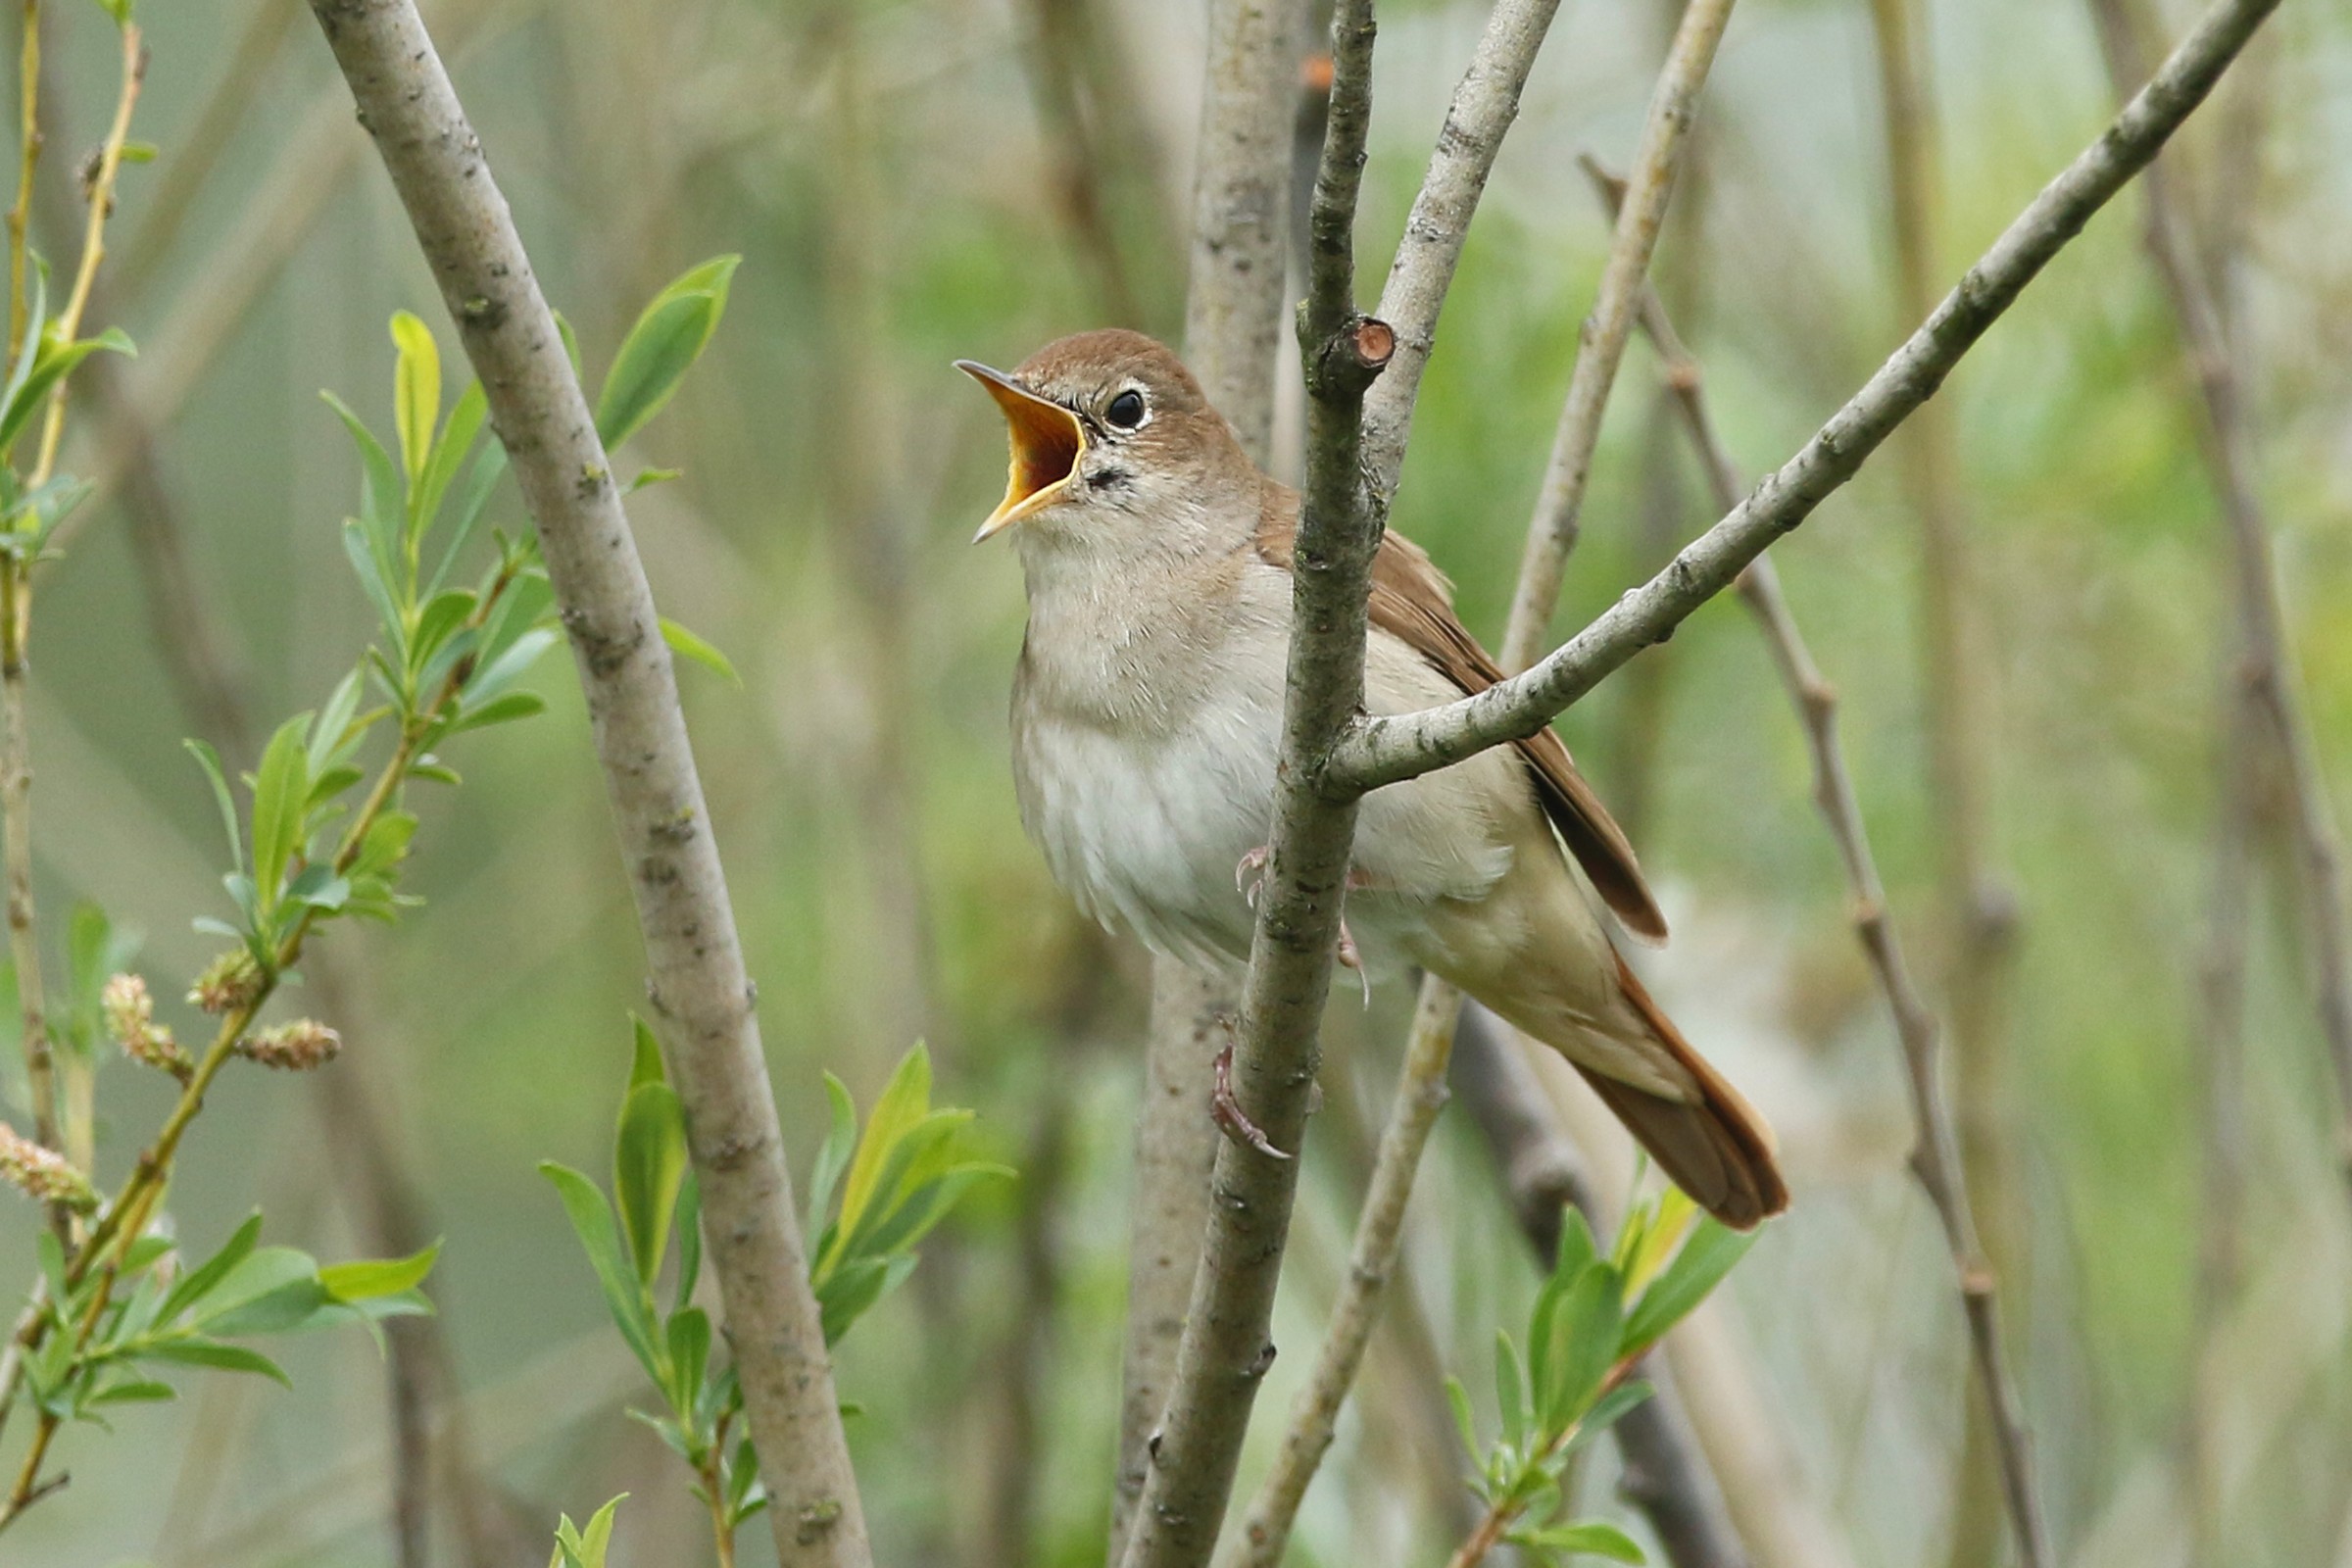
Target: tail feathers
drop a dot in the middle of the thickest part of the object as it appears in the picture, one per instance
(1716, 1149)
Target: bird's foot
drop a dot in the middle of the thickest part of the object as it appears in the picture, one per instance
(1249, 873)
(1351, 959)
(1229, 1113)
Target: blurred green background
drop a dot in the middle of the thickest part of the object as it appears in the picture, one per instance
(903, 195)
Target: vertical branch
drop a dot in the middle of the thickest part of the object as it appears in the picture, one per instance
(1233, 315)
(1225, 1349)
(1175, 1145)
(1492, 95)
(1552, 531)
(698, 985)
(1978, 909)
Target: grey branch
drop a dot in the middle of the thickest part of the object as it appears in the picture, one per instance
(1486, 99)
(1936, 1158)
(1233, 321)
(700, 991)
(1483, 105)
(1225, 1351)
(2266, 675)
(1386, 749)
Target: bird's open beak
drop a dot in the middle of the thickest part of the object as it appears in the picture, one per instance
(1047, 441)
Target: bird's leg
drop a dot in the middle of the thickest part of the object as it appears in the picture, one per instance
(1249, 873)
(1230, 1115)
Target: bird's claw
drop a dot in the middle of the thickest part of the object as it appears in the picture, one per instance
(1229, 1113)
(1351, 959)
(1249, 873)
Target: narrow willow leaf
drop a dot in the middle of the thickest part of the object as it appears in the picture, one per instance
(663, 345)
(649, 1165)
(416, 393)
(1592, 1539)
(209, 760)
(281, 792)
(1705, 1258)
(194, 1285)
(689, 646)
(592, 1221)
(367, 1278)
(195, 1350)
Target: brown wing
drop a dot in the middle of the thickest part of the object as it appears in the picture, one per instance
(1412, 601)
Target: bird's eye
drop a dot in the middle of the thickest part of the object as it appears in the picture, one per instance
(1126, 410)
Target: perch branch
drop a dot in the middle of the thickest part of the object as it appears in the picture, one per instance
(1225, 1351)
(698, 985)
(1491, 90)
(1233, 321)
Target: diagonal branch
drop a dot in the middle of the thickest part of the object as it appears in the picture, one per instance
(1382, 750)
(698, 984)
(1225, 1349)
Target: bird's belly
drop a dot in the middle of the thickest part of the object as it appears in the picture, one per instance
(1149, 833)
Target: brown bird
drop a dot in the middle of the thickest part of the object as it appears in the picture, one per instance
(1147, 713)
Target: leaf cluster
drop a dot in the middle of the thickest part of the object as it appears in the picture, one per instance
(152, 1315)
(1593, 1319)
(30, 513)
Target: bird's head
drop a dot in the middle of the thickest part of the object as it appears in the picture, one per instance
(1110, 434)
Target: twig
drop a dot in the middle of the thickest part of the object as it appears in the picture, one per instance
(1936, 1159)
(1489, 94)
(1384, 750)
(1559, 503)
(2267, 670)
(1978, 908)
(1225, 1351)
(698, 984)
(1233, 321)
(15, 609)
(1483, 108)
(1314, 1413)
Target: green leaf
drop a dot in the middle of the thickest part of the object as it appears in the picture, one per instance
(687, 644)
(330, 734)
(196, 1284)
(271, 1290)
(1510, 1391)
(450, 449)
(689, 1357)
(689, 1224)
(649, 1165)
(135, 1392)
(833, 1155)
(1705, 1258)
(853, 1289)
(382, 507)
(577, 1548)
(500, 710)
(510, 666)
(54, 362)
(1608, 1407)
(592, 1221)
(1592, 1539)
(1583, 1347)
(415, 392)
(668, 337)
(367, 1278)
(282, 791)
(209, 760)
(196, 1351)
(376, 587)
(1460, 1398)
(906, 1101)
(645, 1066)
(440, 622)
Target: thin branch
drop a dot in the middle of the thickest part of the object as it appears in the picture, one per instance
(1559, 503)
(1384, 750)
(2267, 670)
(1225, 1351)
(1378, 1231)
(698, 985)
(1483, 108)
(1489, 98)
(1936, 1159)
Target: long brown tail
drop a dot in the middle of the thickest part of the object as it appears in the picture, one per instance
(1718, 1150)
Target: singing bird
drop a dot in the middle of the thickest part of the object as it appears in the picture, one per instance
(1147, 716)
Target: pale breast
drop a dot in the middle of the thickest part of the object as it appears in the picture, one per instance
(1144, 761)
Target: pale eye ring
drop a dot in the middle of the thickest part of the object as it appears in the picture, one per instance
(1126, 410)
